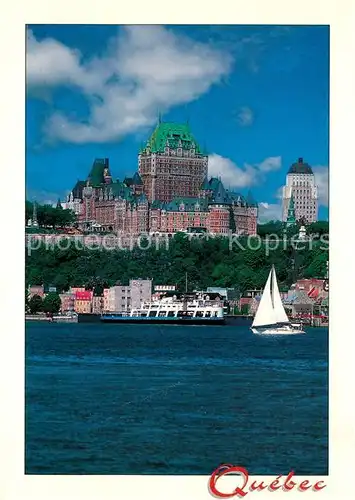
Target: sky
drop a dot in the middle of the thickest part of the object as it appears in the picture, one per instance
(256, 97)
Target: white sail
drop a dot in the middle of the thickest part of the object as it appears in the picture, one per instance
(265, 314)
(279, 310)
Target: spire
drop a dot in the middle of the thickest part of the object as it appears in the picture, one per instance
(59, 205)
(159, 118)
(34, 215)
(291, 218)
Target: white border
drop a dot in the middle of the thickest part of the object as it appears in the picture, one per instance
(13, 483)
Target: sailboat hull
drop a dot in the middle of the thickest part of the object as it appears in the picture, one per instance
(284, 330)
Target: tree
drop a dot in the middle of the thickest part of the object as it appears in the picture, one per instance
(52, 303)
(274, 227)
(245, 309)
(232, 225)
(49, 216)
(318, 228)
(35, 304)
(26, 299)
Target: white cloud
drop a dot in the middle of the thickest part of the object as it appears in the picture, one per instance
(269, 211)
(321, 174)
(234, 176)
(270, 164)
(45, 197)
(245, 116)
(147, 69)
(231, 174)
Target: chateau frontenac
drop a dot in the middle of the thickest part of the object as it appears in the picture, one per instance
(171, 192)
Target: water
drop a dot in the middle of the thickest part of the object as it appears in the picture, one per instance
(112, 399)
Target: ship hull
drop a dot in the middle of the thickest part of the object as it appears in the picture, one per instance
(277, 331)
(162, 320)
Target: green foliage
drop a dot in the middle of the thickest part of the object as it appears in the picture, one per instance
(35, 304)
(271, 227)
(51, 303)
(48, 216)
(318, 228)
(232, 225)
(207, 262)
(244, 309)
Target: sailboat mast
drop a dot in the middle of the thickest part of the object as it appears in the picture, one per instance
(273, 277)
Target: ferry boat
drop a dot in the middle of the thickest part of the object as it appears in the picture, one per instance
(171, 310)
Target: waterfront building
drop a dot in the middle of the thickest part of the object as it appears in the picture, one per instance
(141, 291)
(298, 302)
(314, 287)
(83, 302)
(119, 298)
(106, 296)
(170, 193)
(74, 289)
(125, 297)
(35, 290)
(301, 185)
(97, 304)
(67, 302)
(164, 288)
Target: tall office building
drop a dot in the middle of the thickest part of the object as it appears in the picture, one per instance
(301, 186)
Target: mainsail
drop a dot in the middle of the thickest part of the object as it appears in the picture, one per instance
(265, 313)
(279, 310)
(270, 310)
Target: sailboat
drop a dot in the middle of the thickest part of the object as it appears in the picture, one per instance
(271, 318)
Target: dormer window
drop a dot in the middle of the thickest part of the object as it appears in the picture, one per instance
(182, 207)
(179, 151)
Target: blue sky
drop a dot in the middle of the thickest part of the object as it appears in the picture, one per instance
(255, 96)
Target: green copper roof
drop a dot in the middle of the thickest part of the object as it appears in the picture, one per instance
(214, 183)
(137, 179)
(173, 135)
(186, 204)
(120, 190)
(220, 195)
(78, 189)
(237, 198)
(96, 176)
(157, 204)
(205, 185)
(128, 181)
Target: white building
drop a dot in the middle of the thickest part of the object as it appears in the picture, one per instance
(300, 181)
(124, 298)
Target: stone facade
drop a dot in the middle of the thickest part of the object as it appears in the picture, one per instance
(126, 297)
(67, 302)
(301, 185)
(172, 163)
(83, 302)
(170, 193)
